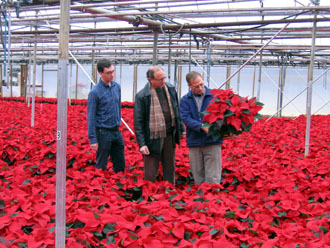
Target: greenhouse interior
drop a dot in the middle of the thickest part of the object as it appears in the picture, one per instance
(275, 186)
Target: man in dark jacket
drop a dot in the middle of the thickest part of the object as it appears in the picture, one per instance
(204, 152)
(157, 124)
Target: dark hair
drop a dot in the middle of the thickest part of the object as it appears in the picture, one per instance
(103, 63)
(151, 71)
(192, 75)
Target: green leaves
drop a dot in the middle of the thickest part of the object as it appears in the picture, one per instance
(96, 215)
(281, 214)
(246, 111)
(172, 197)
(228, 113)
(26, 181)
(158, 217)
(108, 228)
(75, 225)
(228, 102)
(111, 240)
(324, 229)
(27, 229)
(213, 231)
(246, 128)
(2, 204)
(230, 214)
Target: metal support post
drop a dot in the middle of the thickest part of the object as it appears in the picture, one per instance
(154, 55)
(259, 78)
(62, 110)
(135, 76)
(34, 76)
(309, 89)
(208, 61)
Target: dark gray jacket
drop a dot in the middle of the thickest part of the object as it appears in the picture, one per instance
(141, 119)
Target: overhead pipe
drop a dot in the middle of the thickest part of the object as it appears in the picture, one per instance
(136, 21)
(127, 3)
(254, 55)
(235, 12)
(184, 46)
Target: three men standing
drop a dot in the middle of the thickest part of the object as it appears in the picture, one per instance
(157, 123)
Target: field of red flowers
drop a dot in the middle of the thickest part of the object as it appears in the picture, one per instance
(271, 195)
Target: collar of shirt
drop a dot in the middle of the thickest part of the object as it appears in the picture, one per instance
(195, 95)
(106, 84)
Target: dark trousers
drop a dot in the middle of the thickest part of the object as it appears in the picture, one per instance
(151, 164)
(111, 144)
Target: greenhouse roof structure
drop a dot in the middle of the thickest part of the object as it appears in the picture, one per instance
(138, 32)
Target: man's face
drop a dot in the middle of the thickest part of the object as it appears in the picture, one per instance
(158, 81)
(108, 74)
(197, 85)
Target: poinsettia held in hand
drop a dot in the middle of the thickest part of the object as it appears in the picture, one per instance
(230, 114)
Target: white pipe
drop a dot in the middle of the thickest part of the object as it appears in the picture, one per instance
(254, 55)
(298, 94)
(321, 107)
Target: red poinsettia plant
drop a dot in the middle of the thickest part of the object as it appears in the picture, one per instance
(271, 194)
(230, 114)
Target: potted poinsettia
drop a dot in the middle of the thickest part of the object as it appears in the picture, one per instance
(230, 114)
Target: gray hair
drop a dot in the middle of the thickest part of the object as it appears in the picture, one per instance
(192, 75)
(151, 71)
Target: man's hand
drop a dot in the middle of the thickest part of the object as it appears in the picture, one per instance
(95, 146)
(205, 129)
(183, 135)
(144, 150)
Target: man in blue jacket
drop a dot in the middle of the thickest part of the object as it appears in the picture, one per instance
(104, 118)
(204, 152)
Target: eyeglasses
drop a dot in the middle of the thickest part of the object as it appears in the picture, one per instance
(109, 72)
(159, 80)
(201, 85)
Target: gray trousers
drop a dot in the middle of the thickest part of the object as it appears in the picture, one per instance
(151, 164)
(205, 163)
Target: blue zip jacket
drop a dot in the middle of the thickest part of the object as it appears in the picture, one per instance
(194, 120)
(103, 108)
